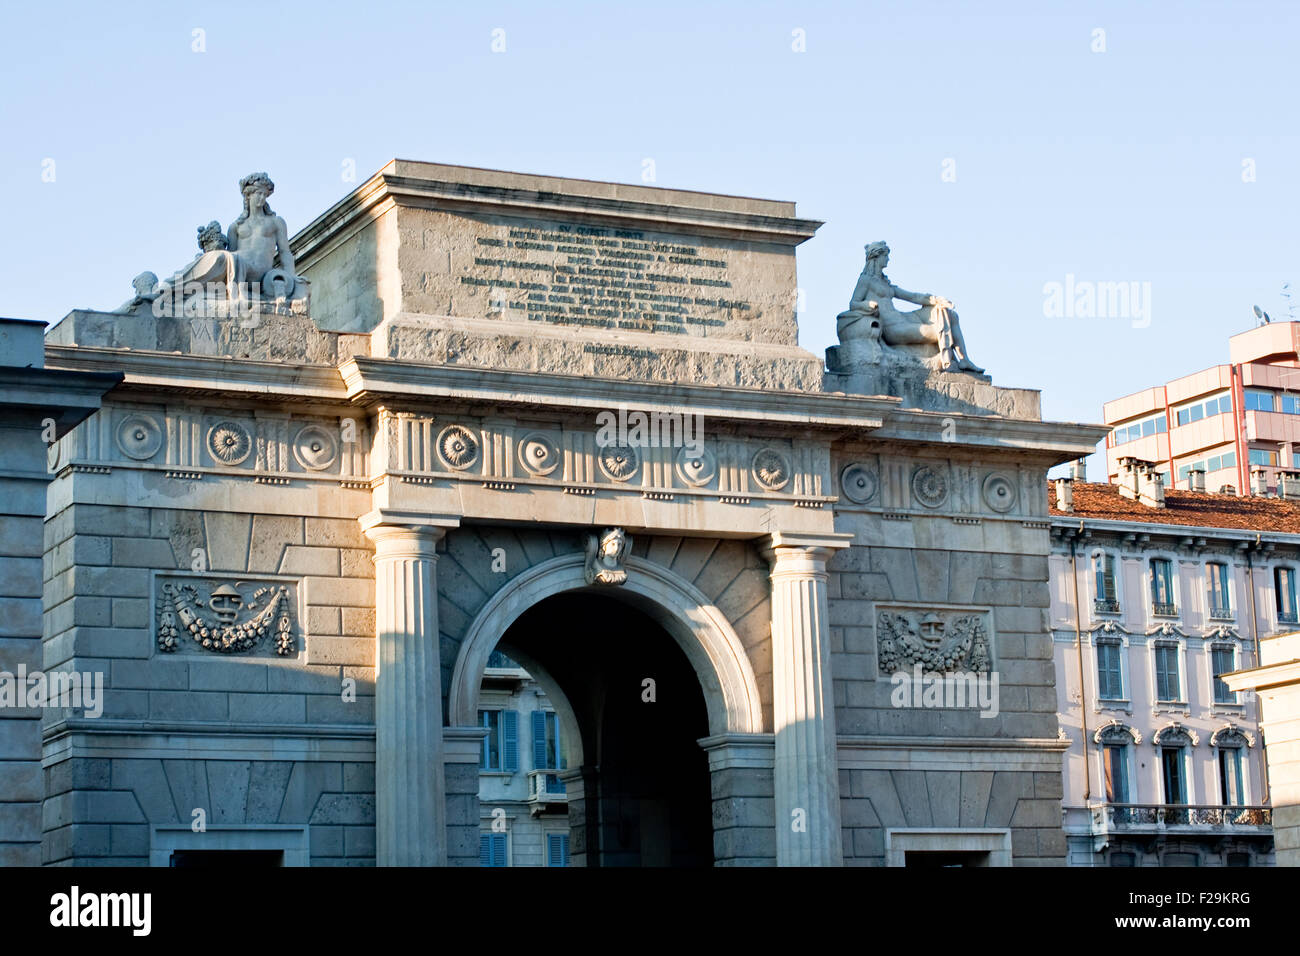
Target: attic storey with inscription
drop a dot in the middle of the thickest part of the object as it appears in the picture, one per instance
(347, 466)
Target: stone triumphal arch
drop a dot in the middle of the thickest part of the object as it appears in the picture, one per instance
(318, 501)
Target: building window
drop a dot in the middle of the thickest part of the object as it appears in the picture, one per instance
(1114, 758)
(1105, 597)
(501, 745)
(1143, 429)
(492, 849)
(498, 660)
(1232, 784)
(1262, 456)
(557, 849)
(1110, 677)
(1284, 594)
(1168, 685)
(1173, 774)
(1223, 660)
(1162, 587)
(1219, 462)
(1257, 401)
(1219, 405)
(546, 747)
(1218, 590)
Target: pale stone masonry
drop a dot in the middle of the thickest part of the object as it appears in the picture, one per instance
(294, 536)
(36, 405)
(1277, 682)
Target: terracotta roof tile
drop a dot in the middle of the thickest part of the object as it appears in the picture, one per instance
(1191, 508)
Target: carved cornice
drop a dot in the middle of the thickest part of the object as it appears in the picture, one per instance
(373, 381)
(491, 192)
(1230, 734)
(1115, 729)
(1174, 734)
(203, 374)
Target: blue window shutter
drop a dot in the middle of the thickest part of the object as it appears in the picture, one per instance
(498, 849)
(539, 740)
(485, 849)
(510, 744)
(557, 849)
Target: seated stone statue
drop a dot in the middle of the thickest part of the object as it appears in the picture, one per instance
(245, 255)
(872, 320)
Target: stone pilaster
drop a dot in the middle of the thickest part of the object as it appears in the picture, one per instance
(805, 772)
(410, 806)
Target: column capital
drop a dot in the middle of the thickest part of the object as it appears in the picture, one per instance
(387, 526)
(804, 546)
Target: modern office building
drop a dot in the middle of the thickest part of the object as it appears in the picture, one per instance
(1155, 596)
(1230, 426)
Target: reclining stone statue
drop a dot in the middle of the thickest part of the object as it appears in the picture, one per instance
(247, 255)
(242, 259)
(873, 330)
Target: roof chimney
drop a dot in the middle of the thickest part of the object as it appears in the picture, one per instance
(1151, 486)
(1130, 479)
(1258, 481)
(1064, 493)
(1080, 470)
(1288, 484)
(1196, 479)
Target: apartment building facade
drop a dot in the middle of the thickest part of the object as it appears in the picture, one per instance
(1232, 426)
(1154, 598)
(523, 800)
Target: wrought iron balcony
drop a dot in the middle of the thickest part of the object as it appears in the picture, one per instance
(1286, 617)
(545, 788)
(1180, 818)
(1163, 610)
(1105, 607)
(1220, 613)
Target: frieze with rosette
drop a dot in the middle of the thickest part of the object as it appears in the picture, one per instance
(486, 450)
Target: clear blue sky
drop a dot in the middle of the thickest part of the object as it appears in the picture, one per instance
(1124, 165)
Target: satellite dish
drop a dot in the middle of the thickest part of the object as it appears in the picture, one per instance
(1261, 314)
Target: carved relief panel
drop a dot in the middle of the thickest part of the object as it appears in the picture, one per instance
(939, 639)
(227, 614)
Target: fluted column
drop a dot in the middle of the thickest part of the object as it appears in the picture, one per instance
(806, 770)
(410, 804)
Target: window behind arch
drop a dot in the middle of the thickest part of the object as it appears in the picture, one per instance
(1218, 591)
(1162, 586)
(1168, 684)
(1223, 659)
(1110, 675)
(1114, 757)
(1284, 594)
(1232, 782)
(1105, 597)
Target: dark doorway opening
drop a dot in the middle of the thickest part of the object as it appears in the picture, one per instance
(226, 859)
(937, 859)
(646, 795)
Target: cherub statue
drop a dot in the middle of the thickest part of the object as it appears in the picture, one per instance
(606, 555)
(872, 318)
